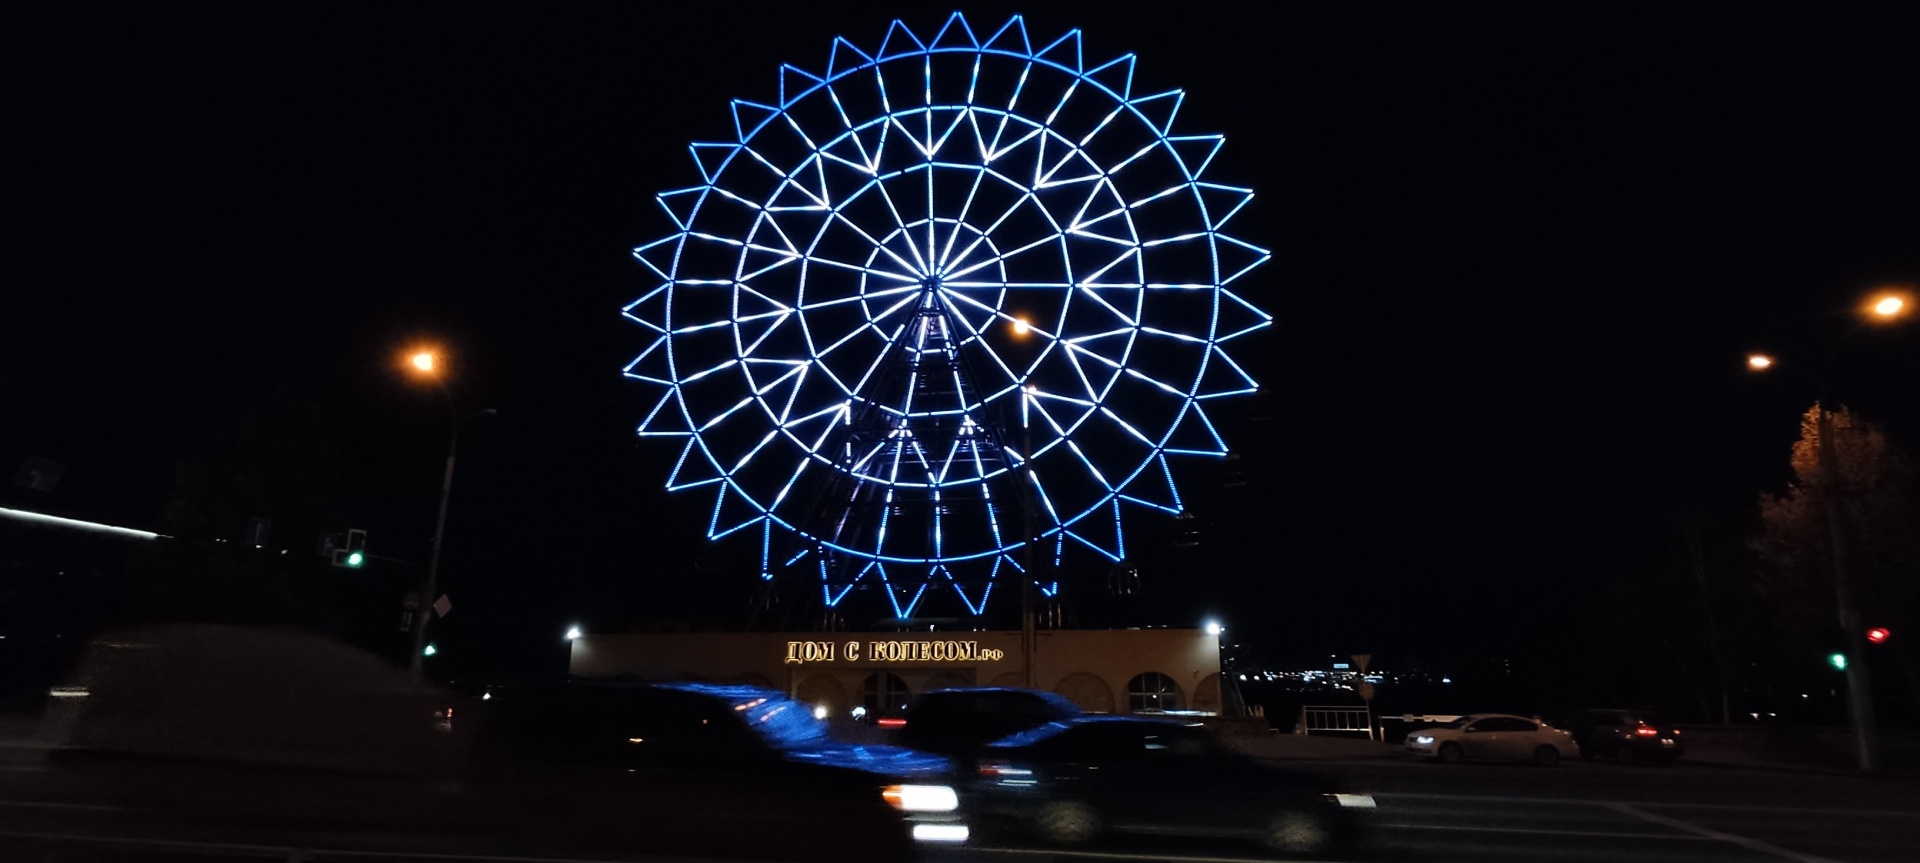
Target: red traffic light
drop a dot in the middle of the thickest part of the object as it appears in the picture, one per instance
(1878, 634)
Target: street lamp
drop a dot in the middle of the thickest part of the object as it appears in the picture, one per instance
(1885, 306)
(1889, 305)
(426, 363)
(1215, 629)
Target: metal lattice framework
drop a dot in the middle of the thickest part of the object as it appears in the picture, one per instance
(934, 280)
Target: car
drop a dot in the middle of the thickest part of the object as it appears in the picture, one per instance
(715, 769)
(1493, 736)
(957, 722)
(1629, 736)
(1074, 781)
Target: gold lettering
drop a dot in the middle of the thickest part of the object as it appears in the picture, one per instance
(793, 653)
(853, 651)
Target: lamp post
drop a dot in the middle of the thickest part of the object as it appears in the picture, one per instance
(1219, 633)
(1860, 712)
(428, 364)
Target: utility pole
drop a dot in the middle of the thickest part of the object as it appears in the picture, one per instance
(1866, 732)
(1028, 641)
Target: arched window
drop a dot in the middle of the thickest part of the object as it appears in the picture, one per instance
(1152, 692)
(884, 694)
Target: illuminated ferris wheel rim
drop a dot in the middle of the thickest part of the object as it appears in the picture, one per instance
(948, 272)
(967, 279)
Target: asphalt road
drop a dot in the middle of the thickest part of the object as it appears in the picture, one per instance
(1427, 812)
(1432, 813)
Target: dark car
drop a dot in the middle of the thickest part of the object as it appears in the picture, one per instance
(958, 722)
(717, 770)
(1074, 781)
(1626, 735)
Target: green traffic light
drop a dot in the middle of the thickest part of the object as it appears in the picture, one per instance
(1839, 661)
(355, 559)
(431, 650)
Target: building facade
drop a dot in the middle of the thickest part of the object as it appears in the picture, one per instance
(1103, 671)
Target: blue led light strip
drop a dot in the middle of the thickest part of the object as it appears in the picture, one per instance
(908, 261)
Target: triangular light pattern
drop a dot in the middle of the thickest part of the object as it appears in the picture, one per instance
(961, 270)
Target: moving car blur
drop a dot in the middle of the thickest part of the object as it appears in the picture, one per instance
(1077, 780)
(1494, 736)
(957, 722)
(1628, 736)
(726, 758)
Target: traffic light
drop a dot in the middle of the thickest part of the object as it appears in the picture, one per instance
(1878, 634)
(1839, 661)
(354, 555)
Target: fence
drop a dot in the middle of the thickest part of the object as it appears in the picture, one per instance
(1335, 718)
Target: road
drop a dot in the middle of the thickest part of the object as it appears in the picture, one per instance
(1427, 813)
(1432, 813)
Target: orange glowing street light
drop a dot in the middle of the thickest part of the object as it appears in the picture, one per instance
(1759, 362)
(1889, 306)
(1020, 326)
(424, 361)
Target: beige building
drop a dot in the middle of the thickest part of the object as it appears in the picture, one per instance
(1105, 671)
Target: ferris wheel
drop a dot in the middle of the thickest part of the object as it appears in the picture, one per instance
(942, 310)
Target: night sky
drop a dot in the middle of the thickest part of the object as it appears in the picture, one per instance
(1519, 254)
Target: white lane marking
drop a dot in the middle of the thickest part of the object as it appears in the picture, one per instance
(1114, 855)
(283, 851)
(1733, 807)
(1658, 804)
(1534, 831)
(1742, 841)
(82, 807)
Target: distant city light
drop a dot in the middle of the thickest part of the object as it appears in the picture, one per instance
(1214, 628)
(574, 633)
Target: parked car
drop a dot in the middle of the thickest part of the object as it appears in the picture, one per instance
(1626, 735)
(1073, 781)
(721, 770)
(1494, 736)
(958, 722)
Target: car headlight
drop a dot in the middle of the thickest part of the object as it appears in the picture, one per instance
(1422, 739)
(921, 798)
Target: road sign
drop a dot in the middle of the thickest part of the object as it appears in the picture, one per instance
(442, 605)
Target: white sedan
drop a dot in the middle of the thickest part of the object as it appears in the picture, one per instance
(1494, 735)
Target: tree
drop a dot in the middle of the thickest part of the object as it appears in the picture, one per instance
(1878, 501)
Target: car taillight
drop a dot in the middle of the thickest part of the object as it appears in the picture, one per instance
(892, 722)
(1647, 731)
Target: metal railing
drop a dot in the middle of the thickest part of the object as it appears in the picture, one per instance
(1335, 718)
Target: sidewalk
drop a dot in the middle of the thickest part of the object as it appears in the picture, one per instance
(1313, 747)
(1300, 747)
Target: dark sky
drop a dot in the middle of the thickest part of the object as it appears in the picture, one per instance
(1519, 252)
